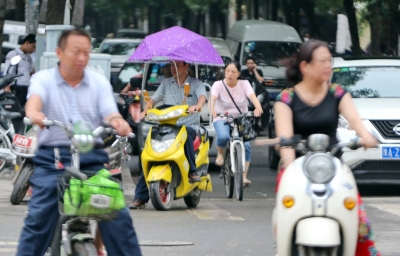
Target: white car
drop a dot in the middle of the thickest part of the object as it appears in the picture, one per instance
(120, 50)
(375, 86)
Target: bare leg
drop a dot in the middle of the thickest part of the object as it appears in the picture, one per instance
(245, 180)
(220, 158)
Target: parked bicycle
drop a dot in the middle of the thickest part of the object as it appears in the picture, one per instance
(84, 197)
(234, 159)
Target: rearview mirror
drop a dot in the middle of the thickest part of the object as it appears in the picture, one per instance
(15, 60)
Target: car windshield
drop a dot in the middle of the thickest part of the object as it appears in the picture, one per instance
(129, 71)
(118, 48)
(369, 82)
(210, 74)
(268, 53)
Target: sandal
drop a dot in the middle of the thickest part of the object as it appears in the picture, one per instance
(220, 160)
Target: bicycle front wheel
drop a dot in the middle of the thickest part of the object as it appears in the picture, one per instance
(228, 178)
(239, 172)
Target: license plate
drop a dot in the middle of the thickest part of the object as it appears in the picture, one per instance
(22, 141)
(390, 152)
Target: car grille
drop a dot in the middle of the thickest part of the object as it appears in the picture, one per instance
(385, 128)
(378, 165)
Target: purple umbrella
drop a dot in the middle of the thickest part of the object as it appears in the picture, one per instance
(177, 44)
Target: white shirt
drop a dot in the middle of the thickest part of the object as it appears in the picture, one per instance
(24, 66)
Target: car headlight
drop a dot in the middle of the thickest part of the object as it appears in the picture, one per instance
(153, 117)
(319, 168)
(161, 146)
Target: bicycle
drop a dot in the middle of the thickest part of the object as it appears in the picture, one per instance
(81, 201)
(234, 159)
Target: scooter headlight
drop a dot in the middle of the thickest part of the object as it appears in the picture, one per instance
(319, 168)
(161, 146)
(172, 114)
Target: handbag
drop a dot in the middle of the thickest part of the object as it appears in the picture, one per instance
(244, 123)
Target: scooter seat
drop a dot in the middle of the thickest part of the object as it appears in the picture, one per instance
(196, 143)
(8, 114)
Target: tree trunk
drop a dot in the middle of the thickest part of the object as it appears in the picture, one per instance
(309, 9)
(222, 21)
(2, 18)
(239, 4)
(375, 25)
(288, 11)
(198, 22)
(274, 10)
(256, 7)
(296, 15)
(351, 16)
(20, 10)
(267, 9)
(55, 12)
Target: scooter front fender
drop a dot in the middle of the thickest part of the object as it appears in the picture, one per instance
(160, 172)
(318, 232)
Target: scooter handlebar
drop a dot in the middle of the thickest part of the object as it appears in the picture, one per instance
(76, 173)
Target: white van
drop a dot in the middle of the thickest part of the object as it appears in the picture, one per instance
(15, 31)
(268, 42)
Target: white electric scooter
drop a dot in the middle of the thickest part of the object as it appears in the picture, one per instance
(316, 209)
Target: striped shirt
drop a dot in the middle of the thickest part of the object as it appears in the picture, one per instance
(89, 101)
(171, 94)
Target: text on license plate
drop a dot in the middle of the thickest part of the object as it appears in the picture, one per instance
(390, 152)
(22, 141)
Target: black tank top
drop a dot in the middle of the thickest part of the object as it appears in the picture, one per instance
(321, 118)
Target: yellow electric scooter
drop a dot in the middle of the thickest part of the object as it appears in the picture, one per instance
(164, 162)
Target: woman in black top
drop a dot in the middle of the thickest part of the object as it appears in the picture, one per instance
(313, 106)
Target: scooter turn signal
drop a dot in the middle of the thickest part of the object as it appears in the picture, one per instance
(350, 203)
(288, 201)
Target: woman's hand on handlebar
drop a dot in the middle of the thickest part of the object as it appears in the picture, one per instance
(258, 112)
(214, 114)
(369, 141)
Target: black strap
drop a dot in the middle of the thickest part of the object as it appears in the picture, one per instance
(231, 96)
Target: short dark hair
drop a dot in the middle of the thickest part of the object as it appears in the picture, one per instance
(250, 58)
(62, 41)
(30, 38)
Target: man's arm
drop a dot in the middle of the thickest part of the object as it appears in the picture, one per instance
(33, 110)
(37, 96)
(127, 88)
(8, 60)
(259, 75)
(201, 94)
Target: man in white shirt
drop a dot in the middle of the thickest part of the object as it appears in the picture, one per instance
(25, 67)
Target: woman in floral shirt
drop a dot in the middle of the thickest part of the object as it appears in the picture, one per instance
(313, 106)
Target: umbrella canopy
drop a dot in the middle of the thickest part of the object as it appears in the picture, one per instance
(177, 44)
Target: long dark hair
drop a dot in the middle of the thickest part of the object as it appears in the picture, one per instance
(305, 53)
(238, 66)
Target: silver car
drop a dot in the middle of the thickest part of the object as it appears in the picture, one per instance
(120, 50)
